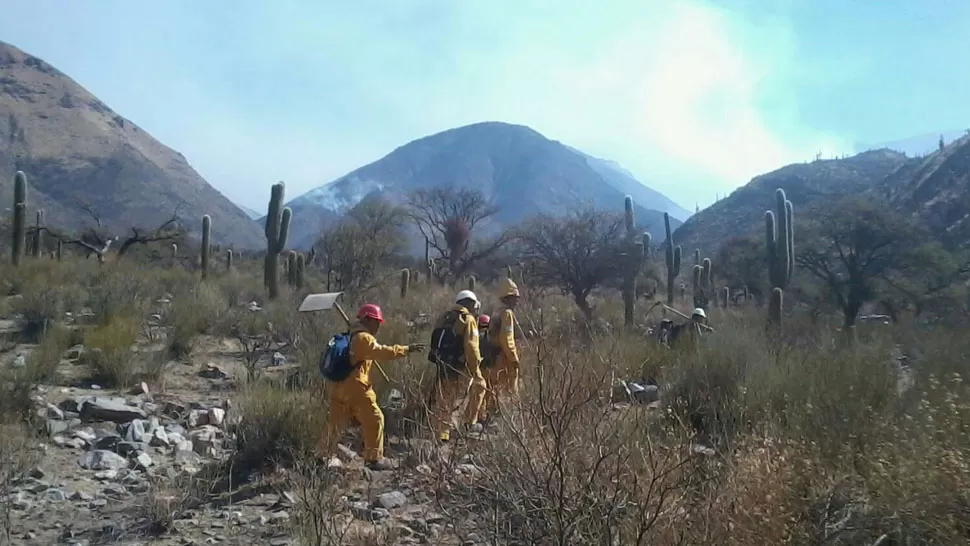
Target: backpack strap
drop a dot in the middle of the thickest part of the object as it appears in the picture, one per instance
(350, 342)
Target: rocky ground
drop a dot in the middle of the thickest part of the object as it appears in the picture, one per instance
(123, 467)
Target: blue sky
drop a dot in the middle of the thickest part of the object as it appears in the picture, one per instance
(694, 97)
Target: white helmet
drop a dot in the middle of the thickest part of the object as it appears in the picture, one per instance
(699, 313)
(468, 295)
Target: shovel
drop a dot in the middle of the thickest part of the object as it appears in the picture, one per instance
(326, 302)
(671, 309)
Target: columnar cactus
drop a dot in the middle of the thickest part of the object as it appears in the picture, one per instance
(206, 244)
(673, 260)
(38, 235)
(59, 253)
(428, 263)
(405, 282)
(707, 282)
(697, 256)
(289, 267)
(636, 252)
(780, 239)
(300, 268)
(277, 229)
(175, 254)
(726, 296)
(472, 282)
(229, 260)
(19, 217)
(695, 283)
(775, 306)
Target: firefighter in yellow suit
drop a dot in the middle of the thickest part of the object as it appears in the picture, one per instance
(449, 388)
(354, 397)
(503, 373)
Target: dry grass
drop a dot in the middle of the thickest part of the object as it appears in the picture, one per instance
(814, 441)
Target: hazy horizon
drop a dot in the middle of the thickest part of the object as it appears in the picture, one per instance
(694, 98)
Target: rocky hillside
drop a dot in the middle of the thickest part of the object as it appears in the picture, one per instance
(937, 189)
(75, 149)
(522, 171)
(806, 184)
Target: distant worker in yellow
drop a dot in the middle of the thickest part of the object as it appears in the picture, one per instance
(347, 363)
(503, 356)
(455, 352)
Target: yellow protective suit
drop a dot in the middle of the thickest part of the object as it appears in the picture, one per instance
(503, 374)
(448, 390)
(354, 397)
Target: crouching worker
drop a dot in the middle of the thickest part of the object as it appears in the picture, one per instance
(347, 363)
(457, 357)
(503, 356)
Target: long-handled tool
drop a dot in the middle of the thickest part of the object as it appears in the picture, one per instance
(325, 302)
(672, 310)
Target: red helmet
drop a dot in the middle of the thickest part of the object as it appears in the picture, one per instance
(369, 310)
(484, 320)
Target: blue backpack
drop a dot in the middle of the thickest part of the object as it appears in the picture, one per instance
(335, 364)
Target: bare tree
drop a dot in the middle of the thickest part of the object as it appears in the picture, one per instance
(354, 250)
(95, 240)
(855, 246)
(577, 252)
(447, 217)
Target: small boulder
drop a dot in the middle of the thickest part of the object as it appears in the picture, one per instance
(115, 410)
(102, 460)
(392, 500)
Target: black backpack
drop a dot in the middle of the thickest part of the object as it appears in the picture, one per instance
(446, 350)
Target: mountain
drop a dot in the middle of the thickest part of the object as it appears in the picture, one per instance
(915, 146)
(520, 170)
(253, 214)
(742, 212)
(624, 181)
(937, 189)
(77, 153)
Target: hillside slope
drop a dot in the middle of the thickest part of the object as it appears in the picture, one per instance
(937, 189)
(805, 184)
(74, 149)
(522, 171)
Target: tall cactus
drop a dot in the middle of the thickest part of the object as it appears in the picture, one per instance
(19, 217)
(775, 306)
(726, 295)
(38, 235)
(472, 282)
(780, 240)
(672, 259)
(289, 267)
(428, 264)
(206, 244)
(277, 229)
(707, 281)
(300, 268)
(405, 282)
(697, 256)
(59, 253)
(636, 252)
(229, 260)
(695, 284)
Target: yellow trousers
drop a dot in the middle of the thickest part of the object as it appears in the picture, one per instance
(352, 400)
(503, 378)
(447, 398)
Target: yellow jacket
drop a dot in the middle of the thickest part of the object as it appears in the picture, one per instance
(502, 333)
(466, 327)
(365, 349)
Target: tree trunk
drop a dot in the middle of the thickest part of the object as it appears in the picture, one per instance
(583, 305)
